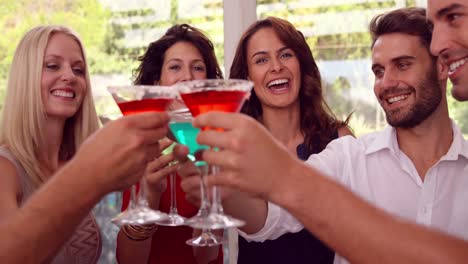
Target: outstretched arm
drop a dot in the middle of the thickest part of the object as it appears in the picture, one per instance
(112, 159)
(254, 162)
(358, 231)
(35, 232)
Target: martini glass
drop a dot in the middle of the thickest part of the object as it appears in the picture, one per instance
(202, 96)
(183, 131)
(134, 99)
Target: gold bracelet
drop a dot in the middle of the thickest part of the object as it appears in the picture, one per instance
(139, 232)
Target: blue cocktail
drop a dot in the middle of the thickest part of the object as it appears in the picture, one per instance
(183, 131)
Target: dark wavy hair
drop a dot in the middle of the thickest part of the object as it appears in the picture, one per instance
(149, 69)
(411, 21)
(318, 123)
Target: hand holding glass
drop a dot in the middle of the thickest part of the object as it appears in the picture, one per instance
(202, 96)
(132, 100)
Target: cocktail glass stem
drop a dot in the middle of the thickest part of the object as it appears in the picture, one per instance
(174, 219)
(141, 195)
(173, 208)
(132, 201)
(206, 238)
(199, 220)
(216, 205)
(217, 219)
(139, 213)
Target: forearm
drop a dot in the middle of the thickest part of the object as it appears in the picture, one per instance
(153, 199)
(43, 224)
(129, 251)
(357, 230)
(250, 209)
(132, 251)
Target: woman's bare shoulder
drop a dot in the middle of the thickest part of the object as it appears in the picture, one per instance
(345, 131)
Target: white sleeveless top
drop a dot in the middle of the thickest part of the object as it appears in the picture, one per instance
(84, 246)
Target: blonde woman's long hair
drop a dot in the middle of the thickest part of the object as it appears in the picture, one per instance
(23, 121)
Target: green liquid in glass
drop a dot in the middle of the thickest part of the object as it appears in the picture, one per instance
(186, 134)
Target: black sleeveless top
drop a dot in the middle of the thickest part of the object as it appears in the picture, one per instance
(300, 247)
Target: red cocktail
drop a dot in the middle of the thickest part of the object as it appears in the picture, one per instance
(202, 96)
(145, 105)
(133, 100)
(210, 100)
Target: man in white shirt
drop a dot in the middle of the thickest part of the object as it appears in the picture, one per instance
(417, 169)
(450, 40)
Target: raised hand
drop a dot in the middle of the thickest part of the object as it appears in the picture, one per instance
(118, 152)
(250, 158)
(191, 181)
(156, 173)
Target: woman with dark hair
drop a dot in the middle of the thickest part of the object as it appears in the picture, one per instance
(150, 70)
(183, 53)
(287, 99)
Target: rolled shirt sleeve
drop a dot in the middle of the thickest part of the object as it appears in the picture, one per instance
(277, 223)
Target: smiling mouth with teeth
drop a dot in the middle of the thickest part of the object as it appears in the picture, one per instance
(279, 83)
(457, 64)
(397, 98)
(65, 94)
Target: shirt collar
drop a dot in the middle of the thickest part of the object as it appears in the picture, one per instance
(386, 139)
(459, 145)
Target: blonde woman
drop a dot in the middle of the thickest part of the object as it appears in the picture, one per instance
(47, 115)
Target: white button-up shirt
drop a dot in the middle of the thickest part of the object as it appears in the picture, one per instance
(376, 169)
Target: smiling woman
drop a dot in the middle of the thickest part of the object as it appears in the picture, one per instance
(183, 53)
(49, 80)
(275, 70)
(287, 99)
(63, 77)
